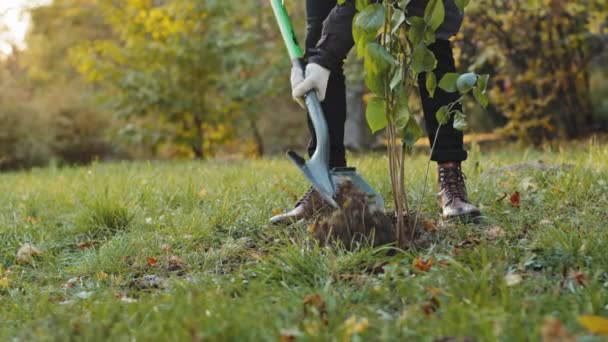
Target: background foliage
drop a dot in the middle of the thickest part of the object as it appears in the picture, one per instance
(188, 79)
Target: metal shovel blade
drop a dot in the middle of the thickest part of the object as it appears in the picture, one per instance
(316, 170)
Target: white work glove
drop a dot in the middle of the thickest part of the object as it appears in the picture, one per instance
(316, 78)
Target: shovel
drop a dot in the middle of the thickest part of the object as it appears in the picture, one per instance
(316, 170)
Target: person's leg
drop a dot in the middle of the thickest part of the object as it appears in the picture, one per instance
(334, 109)
(449, 150)
(334, 106)
(449, 146)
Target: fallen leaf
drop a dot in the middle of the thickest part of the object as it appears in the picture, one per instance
(72, 283)
(289, 335)
(152, 261)
(176, 264)
(276, 211)
(430, 307)
(513, 279)
(354, 325)
(202, 193)
(435, 291)
(429, 225)
(469, 242)
(579, 277)
(316, 303)
(496, 232)
(545, 222)
(422, 264)
(515, 199)
(553, 330)
(87, 244)
(101, 275)
(26, 253)
(595, 324)
(165, 248)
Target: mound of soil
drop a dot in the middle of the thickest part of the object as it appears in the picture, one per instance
(354, 224)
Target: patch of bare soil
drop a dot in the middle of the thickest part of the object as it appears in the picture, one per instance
(355, 224)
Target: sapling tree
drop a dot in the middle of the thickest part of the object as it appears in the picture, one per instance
(394, 48)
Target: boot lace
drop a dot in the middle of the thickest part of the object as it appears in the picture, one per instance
(452, 181)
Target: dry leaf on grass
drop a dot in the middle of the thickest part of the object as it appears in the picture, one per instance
(290, 335)
(553, 330)
(429, 225)
(87, 244)
(354, 325)
(26, 253)
(513, 279)
(595, 324)
(423, 264)
(515, 199)
(579, 278)
(496, 232)
(316, 303)
(152, 261)
(176, 264)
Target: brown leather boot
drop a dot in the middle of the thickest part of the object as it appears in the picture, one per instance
(452, 194)
(307, 207)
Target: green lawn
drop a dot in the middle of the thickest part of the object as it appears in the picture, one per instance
(181, 251)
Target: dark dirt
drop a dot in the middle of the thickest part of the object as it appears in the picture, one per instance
(354, 224)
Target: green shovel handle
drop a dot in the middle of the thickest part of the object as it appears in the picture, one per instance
(287, 32)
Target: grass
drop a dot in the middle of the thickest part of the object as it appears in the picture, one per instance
(181, 251)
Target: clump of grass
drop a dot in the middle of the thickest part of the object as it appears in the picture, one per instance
(104, 217)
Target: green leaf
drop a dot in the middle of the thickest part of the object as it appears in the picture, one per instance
(361, 4)
(375, 83)
(377, 59)
(375, 114)
(462, 4)
(397, 20)
(423, 60)
(397, 77)
(416, 30)
(366, 26)
(429, 36)
(482, 82)
(460, 121)
(434, 13)
(480, 97)
(402, 108)
(466, 82)
(371, 19)
(448, 82)
(411, 133)
(431, 83)
(443, 115)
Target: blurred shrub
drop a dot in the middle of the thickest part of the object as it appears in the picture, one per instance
(24, 139)
(539, 53)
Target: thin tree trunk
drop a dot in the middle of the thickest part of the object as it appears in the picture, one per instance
(197, 145)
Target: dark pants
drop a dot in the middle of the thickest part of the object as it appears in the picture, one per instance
(449, 145)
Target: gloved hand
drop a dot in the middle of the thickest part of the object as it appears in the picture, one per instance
(316, 78)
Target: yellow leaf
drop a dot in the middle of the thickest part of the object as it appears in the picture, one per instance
(595, 324)
(355, 325)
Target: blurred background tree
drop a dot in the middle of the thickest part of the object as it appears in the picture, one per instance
(201, 78)
(541, 54)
